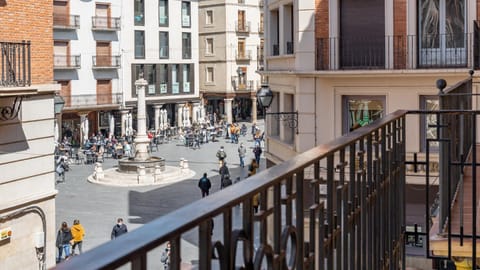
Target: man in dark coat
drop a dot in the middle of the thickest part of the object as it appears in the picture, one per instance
(223, 173)
(204, 184)
(119, 229)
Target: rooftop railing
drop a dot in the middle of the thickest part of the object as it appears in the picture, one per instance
(338, 204)
(15, 64)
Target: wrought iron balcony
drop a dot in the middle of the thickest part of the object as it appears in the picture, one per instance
(62, 21)
(289, 47)
(106, 23)
(15, 64)
(396, 52)
(106, 61)
(276, 49)
(261, 3)
(243, 55)
(66, 61)
(242, 27)
(87, 101)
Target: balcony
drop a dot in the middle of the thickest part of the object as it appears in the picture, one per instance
(106, 61)
(289, 47)
(242, 85)
(15, 64)
(243, 55)
(66, 61)
(260, 28)
(242, 27)
(261, 3)
(68, 22)
(396, 52)
(106, 23)
(275, 50)
(88, 101)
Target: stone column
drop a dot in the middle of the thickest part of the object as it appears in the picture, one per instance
(179, 115)
(141, 140)
(228, 109)
(254, 109)
(124, 122)
(83, 128)
(157, 116)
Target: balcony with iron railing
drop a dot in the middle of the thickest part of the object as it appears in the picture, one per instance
(261, 3)
(289, 47)
(66, 61)
(100, 23)
(62, 21)
(94, 100)
(243, 55)
(242, 85)
(275, 50)
(15, 64)
(242, 27)
(106, 61)
(397, 52)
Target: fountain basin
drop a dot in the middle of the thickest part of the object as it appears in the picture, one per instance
(130, 165)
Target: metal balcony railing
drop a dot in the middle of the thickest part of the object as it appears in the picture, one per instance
(15, 64)
(62, 21)
(243, 55)
(289, 47)
(84, 101)
(106, 23)
(66, 61)
(106, 61)
(395, 52)
(242, 27)
(276, 49)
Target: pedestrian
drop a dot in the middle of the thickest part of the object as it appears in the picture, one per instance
(226, 181)
(257, 151)
(221, 155)
(119, 229)
(256, 202)
(204, 184)
(224, 171)
(252, 168)
(242, 151)
(78, 232)
(165, 258)
(254, 130)
(64, 236)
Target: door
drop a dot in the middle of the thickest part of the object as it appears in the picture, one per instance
(66, 92)
(104, 55)
(60, 13)
(241, 49)
(102, 13)
(442, 35)
(241, 20)
(104, 92)
(61, 54)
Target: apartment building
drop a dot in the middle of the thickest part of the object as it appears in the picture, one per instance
(159, 39)
(87, 65)
(231, 53)
(27, 190)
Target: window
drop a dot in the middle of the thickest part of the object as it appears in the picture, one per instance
(163, 12)
(185, 14)
(175, 83)
(139, 44)
(210, 75)
(427, 131)
(241, 49)
(186, 46)
(241, 21)
(186, 78)
(139, 13)
(209, 17)
(288, 106)
(359, 111)
(209, 46)
(164, 45)
(163, 78)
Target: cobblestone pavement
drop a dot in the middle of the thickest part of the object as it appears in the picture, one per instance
(97, 206)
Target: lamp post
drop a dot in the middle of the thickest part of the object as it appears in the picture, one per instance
(58, 104)
(265, 97)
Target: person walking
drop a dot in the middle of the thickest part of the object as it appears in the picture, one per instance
(221, 155)
(224, 172)
(258, 152)
(204, 184)
(78, 232)
(242, 151)
(119, 229)
(64, 236)
(226, 182)
(165, 258)
(252, 168)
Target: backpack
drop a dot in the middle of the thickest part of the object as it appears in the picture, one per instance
(221, 154)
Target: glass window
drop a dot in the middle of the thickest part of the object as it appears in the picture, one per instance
(427, 122)
(163, 78)
(185, 14)
(151, 76)
(186, 46)
(209, 17)
(209, 46)
(186, 78)
(359, 111)
(164, 49)
(139, 44)
(139, 13)
(175, 83)
(210, 75)
(163, 12)
(288, 106)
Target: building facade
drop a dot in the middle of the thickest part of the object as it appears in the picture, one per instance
(159, 40)
(230, 48)
(87, 65)
(27, 190)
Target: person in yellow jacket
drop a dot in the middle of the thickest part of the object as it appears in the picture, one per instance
(78, 232)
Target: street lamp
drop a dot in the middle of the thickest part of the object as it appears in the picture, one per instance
(58, 104)
(265, 97)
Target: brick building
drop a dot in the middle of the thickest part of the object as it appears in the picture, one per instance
(27, 190)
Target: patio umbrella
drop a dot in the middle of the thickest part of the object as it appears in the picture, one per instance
(112, 126)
